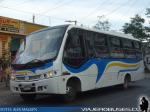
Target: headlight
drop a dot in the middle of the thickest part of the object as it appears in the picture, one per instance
(49, 74)
(13, 77)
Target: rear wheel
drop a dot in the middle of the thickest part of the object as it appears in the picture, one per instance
(28, 97)
(126, 82)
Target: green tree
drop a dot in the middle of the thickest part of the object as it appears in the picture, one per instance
(147, 28)
(102, 24)
(148, 12)
(136, 28)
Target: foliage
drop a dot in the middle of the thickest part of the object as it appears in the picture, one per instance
(102, 24)
(148, 12)
(136, 28)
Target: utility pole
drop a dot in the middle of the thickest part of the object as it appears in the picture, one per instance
(49, 21)
(69, 21)
(33, 18)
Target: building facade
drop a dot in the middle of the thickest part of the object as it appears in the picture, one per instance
(12, 33)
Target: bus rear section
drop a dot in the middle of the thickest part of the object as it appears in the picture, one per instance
(101, 59)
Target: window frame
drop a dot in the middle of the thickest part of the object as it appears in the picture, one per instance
(112, 47)
(106, 45)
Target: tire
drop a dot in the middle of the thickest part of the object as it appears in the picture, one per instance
(70, 94)
(126, 82)
(28, 97)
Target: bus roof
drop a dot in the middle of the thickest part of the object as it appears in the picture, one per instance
(121, 35)
(118, 34)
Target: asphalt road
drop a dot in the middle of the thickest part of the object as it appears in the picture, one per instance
(105, 97)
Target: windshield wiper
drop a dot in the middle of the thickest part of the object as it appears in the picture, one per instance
(30, 64)
(36, 61)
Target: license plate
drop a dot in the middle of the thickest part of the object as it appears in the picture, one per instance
(27, 88)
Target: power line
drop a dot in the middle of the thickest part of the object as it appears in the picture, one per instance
(25, 1)
(56, 5)
(31, 13)
(15, 9)
(126, 11)
(22, 11)
(102, 9)
(54, 8)
(116, 9)
(95, 10)
(91, 13)
(132, 5)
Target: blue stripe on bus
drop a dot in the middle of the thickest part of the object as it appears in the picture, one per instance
(101, 65)
(128, 70)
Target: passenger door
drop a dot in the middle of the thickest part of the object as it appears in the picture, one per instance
(74, 53)
(75, 58)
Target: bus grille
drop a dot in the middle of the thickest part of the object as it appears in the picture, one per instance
(36, 77)
(28, 78)
(20, 78)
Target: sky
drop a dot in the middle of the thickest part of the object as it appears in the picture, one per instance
(86, 12)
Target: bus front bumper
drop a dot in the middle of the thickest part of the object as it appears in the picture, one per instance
(45, 86)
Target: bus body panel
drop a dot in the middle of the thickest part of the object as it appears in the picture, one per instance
(87, 77)
(139, 73)
(114, 73)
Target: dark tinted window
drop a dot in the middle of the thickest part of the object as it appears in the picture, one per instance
(115, 47)
(138, 51)
(100, 45)
(128, 48)
(100, 39)
(74, 53)
(90, 44)
(115, 42)
(137, 45)
(127, 43)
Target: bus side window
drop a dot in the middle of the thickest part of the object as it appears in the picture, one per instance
(74, 54)
(90, 44)
(100, 46)
(137, 48)
(128, 48)
(116, 48)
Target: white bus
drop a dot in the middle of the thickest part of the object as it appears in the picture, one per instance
(68, 59)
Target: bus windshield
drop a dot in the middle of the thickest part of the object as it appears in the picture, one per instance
(40, 46)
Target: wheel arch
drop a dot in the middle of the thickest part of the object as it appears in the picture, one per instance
(128, 76)
(75, 82)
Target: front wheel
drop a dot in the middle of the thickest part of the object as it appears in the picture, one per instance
(70, 94)
(28, 97)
